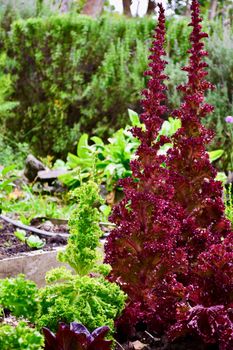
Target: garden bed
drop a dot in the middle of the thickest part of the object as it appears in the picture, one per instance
(17, 257)
(10, 245)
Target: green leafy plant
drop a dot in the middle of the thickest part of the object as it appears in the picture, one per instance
(92, 301)
(64, 87)
(6, 183)
(20, 337)
(110, 161)
(21, 235)
(84, 296)
(81, 251)
(19, 296)
(228, 200)
(32, 241)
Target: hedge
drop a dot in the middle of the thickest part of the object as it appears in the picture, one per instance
(72, 73)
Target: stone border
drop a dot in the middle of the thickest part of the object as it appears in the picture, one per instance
(33, 265)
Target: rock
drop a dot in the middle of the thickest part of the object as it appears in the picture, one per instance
(50, 175)
(47, 226)
(32, 167)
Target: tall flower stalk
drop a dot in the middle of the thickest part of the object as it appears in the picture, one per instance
(205, 233)
(191, 173)
(172, 251)
(139, 249)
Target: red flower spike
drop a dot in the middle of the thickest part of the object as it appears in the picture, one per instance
(191, 173)
(205, 232)
(139, 249)
(172, 249)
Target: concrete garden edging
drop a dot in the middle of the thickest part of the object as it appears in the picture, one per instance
(33, 265)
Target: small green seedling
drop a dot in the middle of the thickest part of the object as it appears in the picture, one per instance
(32, 241)
(21, 235)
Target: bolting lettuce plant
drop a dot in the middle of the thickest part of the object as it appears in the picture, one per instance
(139, 249)
(172, 251)
(205, 233)
(76, 337)
(82, 294)
(81, 251)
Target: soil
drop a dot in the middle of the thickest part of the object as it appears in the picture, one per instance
(10, 245)
(147, 341)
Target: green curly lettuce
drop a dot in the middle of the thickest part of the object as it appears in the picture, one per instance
(19, 296)
(92, 301)
(81, 252)
(20, 337)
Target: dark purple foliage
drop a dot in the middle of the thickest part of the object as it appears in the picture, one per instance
(139, 249)
(76, 337)
(171, 251)
(205, 233)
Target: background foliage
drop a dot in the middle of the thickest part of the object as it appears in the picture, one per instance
(68, 74)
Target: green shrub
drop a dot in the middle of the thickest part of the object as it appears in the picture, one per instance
(12, 152)
(221, 74)
(74, 74)
(20, 337)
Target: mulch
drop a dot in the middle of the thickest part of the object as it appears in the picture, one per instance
(147, 341)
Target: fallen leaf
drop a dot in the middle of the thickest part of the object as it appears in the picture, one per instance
(138, 345)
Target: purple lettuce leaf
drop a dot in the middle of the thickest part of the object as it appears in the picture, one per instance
(75, 336)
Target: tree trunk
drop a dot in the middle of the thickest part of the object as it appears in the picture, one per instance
(213, 9)
(126, 7)
(93, 8)
(151, 7)
(64, 6)
(187, 10)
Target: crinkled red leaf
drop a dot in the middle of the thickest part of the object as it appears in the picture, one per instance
(76, 337)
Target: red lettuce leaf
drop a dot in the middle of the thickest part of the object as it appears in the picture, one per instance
(76, 337)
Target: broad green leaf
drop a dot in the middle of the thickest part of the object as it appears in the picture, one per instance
(221, 176)
(20, 234)
(214, 155)
(134, 118)
(106, 210)
(35, 242)
(72, 161)
(82, 148)
(170, 127)
(98, 141)
(8, 169)
(163, 149)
